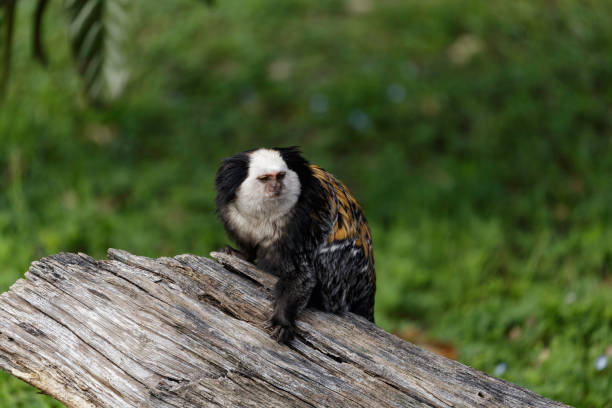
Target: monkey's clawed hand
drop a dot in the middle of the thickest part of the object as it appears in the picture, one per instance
(234, 252)
(283, 330)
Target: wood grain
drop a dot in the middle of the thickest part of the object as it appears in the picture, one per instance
(187, 331)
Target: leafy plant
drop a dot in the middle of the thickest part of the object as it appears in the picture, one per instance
(97, 30)
(475, 134)
(7, 23)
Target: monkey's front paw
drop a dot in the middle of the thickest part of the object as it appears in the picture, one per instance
(283, 331)
(283, 334)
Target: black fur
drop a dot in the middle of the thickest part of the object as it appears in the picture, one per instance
(336, 281)
(230, 176)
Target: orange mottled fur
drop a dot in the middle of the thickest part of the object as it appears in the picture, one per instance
(349, 222)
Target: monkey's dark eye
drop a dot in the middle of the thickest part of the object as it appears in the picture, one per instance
(280, 175)
(263, 178)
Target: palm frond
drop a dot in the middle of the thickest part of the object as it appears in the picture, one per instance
(38, 48)
(98, 31)
(7, 24)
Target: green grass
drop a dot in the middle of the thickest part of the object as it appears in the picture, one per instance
(475, 134)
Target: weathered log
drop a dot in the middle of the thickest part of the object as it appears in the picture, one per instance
(189, 332)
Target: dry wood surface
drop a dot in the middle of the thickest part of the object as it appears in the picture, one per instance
(188, 331)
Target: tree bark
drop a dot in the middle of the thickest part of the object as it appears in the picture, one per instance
(190, 332)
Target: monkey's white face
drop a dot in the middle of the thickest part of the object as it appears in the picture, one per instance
(270, 189)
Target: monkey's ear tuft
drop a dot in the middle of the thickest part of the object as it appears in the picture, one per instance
(291, 150)
(230, 175)
(293, 157)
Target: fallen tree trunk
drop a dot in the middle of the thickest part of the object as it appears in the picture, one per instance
(189, 332)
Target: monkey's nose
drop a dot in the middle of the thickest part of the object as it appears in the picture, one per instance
(273, 189)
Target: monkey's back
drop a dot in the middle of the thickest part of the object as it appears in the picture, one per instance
(344, 260)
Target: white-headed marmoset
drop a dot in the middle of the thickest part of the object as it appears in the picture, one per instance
(302, 225)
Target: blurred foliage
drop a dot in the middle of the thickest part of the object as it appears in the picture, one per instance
(7, 24)
(476, 135)
(98, 31)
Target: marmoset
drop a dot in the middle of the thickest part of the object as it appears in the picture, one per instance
(303, 225)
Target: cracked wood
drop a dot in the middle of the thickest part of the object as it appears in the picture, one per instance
(190, 332)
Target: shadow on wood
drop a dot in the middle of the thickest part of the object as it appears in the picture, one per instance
(188, 332)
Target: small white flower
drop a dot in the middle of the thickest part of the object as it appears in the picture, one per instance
(318, 103)
(601, 362)
(359, 120)
(396, 92)
(500, 369)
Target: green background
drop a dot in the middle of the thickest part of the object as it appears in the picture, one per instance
(476, 135)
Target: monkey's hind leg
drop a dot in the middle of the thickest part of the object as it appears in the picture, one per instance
(364, 306)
